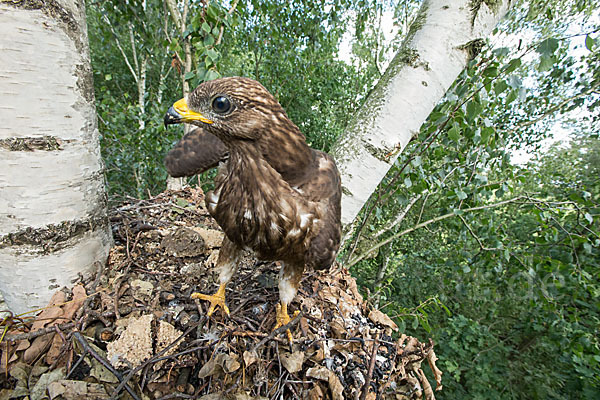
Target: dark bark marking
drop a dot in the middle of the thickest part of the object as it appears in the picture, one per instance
(43, 143)
(53, 237)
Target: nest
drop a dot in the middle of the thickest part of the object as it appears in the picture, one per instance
(131, 329)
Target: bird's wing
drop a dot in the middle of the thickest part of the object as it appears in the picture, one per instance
(196, 152)
(324, 188)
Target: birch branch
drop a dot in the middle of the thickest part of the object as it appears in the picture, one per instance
(133, 51)
(118, 43)
(175, 14)
(429, 222)
(399, 218)
(554, 108)
(222, 29)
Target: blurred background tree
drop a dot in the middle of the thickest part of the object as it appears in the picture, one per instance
(484, 235)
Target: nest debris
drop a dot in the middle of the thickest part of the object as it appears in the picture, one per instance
(132, 331)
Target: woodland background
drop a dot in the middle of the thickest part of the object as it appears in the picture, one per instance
(497, 261)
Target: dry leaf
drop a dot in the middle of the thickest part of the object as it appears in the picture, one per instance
(38, 392)
(380, 318)
(141, 289)
(75, 390)
(292, 362)
(316, 393)
(230, 363)
(322, 373)
(336, 387)
(47, 317)
(79, 296)
(250, 357)
(246, 396)
(212, 367)
(220, 362)
(212, 237)
(437, 374)
(49, 313)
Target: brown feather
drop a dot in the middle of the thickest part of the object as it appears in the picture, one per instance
(195, 153)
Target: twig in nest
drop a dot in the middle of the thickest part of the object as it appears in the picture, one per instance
(280, 330)
(65, 327)
(365, 390)
(152, 360)
(83, 311)
(88, 349)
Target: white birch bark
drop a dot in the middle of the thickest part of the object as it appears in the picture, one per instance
(53, 223)
(180, 20)
(429, 61)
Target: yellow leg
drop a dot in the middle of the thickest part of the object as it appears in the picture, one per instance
(217, 299)
(283, 318)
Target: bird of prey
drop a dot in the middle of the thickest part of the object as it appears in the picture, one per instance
(273, 195)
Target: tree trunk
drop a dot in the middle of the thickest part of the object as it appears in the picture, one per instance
(53, 223)
(436, 49)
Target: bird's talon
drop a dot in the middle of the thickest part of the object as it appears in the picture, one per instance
(217, 299)
(283, 319)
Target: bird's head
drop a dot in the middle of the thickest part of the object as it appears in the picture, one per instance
(230, 108)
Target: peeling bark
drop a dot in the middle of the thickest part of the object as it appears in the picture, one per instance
(437, 48)
(53, 223)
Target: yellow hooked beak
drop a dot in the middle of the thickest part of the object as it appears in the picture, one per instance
(180, 112)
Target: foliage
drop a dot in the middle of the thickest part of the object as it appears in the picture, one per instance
(511, 252)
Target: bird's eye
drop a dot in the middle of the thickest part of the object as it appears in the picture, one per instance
(221, 105)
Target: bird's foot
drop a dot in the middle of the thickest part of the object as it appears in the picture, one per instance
(217, 299)
(283, 319)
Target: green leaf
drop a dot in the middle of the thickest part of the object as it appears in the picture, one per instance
(454, 134)
(206, 27)
(189, 75)
(212, 11)
(407, 182)
(473, 109)
(490, 72)
(417, 161)
(209, 40)
(415, 323)
(460, 194)
(501, 52)
(513, 65)
(548, 47)
(546, 63)
(589, 43)
(212, 74)
(214, 56)
(511, 96)
(500, 86)
(486, 133)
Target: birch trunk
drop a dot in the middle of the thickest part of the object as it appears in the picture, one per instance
(53, 223)
(431, 57)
